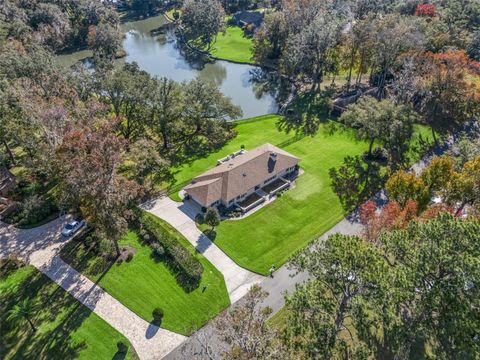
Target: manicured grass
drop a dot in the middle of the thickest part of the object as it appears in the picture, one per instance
(272, 234)
(250, 133)
(65, 328)
(233, 45)
(146, 283)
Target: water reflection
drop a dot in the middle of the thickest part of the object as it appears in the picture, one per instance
(156, 51)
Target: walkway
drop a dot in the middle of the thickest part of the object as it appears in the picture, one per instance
(39, 247)
(182, 217)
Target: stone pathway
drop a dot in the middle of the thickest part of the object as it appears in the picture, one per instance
(181, 216)
(39, 247)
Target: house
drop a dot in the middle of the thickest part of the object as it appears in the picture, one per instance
(245, 178)
(243, 18)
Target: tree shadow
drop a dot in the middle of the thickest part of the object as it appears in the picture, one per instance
(51, 305)
(211, 234)
(152, 329)
(306, 113)
(119, 355)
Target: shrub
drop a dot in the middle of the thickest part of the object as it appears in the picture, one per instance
(158, 249)
(176, 15)
(212, 217)
(144, 235)
(189, 268)
(122, 347)
(34, 209)
(129, 257)
(157, 314)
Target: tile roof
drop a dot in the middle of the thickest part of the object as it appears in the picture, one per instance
(238, 175)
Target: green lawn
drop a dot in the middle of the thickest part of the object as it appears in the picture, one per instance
(272, 234)
(146, 283)
(233, 45)
(65, 328)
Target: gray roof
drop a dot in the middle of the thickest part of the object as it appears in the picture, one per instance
(248, 17)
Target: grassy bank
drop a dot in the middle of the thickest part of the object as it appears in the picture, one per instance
(233, 45)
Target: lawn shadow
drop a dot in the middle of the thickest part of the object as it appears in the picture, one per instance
(50, 303)
(119, 355)
(211, 234)
(152, 329)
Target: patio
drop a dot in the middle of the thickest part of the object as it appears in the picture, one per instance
(251, 201)
(275, 186)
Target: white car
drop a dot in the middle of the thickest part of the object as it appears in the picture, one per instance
(72, 227)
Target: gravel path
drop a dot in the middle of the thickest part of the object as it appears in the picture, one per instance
(181, 216)
(40, 246)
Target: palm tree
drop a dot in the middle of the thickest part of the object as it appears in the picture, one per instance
(22, 311)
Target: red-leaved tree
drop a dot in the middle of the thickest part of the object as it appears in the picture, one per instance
(426, 10)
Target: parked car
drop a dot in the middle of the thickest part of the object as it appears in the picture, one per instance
(72, 227)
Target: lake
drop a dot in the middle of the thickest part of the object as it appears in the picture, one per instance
(160, 56)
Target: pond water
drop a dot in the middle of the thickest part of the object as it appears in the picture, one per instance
(160, 56)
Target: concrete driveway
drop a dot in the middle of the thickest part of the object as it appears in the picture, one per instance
(182, 217)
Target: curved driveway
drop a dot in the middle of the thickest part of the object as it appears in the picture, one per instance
(181, 216)
(39, 247)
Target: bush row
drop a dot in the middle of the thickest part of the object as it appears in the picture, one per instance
(189, 268)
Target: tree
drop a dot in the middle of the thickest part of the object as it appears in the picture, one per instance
(205, 112)
(382, 121)
(146, 166)
(166, 111)
(202, 20)
(89, 181)
(433, 276)
(270, 39)
(464, 187)
(388, 218)
(129, 91)
(403, 186)
(105, 41)
(23, 311)
(473, 48)
(450, 98)
(307, 54)
(9, 112)
(212, 217)
(426, 10)
(245, 330)
(347, 280)
(456, 189)
(394, 35)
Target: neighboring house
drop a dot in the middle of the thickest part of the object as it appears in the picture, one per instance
(7, 181)
(244, 178)
(243, 18)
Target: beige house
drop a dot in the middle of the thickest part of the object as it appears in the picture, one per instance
(244, 178)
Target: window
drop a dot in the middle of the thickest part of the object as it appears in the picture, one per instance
(269, 179)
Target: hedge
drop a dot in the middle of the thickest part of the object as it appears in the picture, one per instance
(189, 267)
